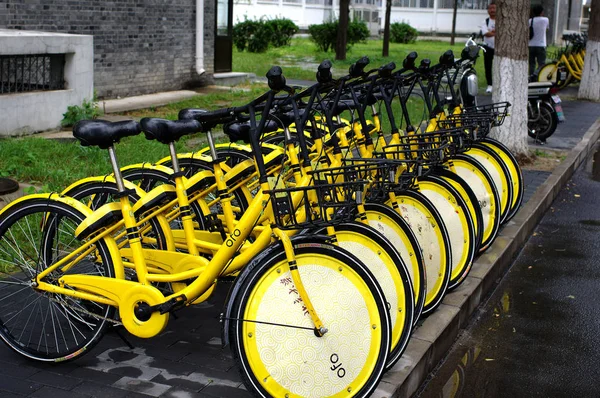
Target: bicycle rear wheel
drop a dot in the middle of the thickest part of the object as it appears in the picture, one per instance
(40, 325)
(274, 341)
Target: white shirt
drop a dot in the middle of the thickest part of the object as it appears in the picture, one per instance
(485, 28)
(540, 26)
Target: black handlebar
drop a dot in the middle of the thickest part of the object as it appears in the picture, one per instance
(324, 72)
(276, 79)
(357, 68)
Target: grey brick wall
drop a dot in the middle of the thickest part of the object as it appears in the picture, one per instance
(140, 46)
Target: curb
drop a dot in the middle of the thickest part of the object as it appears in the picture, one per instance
(432, 340)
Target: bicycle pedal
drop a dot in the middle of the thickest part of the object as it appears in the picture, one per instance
(215, 224)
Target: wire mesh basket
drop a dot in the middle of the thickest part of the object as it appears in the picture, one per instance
(329, 200)
(496, 112)
(420, 151)
(462, 132)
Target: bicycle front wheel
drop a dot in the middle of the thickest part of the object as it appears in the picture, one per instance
(273, 337)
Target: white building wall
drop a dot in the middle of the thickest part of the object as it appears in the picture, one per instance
(425, 20)
(24, 113)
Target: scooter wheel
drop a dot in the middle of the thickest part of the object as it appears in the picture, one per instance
(545, 125)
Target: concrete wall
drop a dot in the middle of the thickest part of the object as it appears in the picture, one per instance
(140, 47)
(24, 113)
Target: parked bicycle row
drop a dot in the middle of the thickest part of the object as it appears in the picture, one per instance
(341, 221)
(567, 63)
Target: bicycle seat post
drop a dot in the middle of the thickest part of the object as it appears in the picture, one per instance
(116, 170)
(174, 160)
(211, 144)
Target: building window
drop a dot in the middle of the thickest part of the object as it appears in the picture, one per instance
(414, 3)
(24, 73)
(465, 4)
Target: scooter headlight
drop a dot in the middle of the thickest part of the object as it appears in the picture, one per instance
(472, 85)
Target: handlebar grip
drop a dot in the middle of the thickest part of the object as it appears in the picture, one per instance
(324, 72)
(276, 78)
(386, 70)
(357, 68)
(409, 61)
(447, 58)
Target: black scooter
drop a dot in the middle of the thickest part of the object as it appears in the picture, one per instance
(544, 110)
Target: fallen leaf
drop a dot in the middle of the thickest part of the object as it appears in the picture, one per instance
(514, 330)
(571, 297)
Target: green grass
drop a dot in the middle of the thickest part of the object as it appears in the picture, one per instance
(211, 101)
(301, 58)
(54, 165)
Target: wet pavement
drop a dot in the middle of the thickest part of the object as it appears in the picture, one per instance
(538, 333)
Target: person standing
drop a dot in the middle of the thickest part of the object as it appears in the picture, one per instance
(488, 30)
(537, 44)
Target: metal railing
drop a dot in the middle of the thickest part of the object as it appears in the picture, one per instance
(37, 72)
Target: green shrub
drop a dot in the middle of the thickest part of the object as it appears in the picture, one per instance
(257, 35)
(325, 35)
(402, 32)
(88, 110)
(282, 31)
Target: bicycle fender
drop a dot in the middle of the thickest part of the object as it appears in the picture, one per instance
(83, 209)
(151, 166)
(108, 180)
(255, 262)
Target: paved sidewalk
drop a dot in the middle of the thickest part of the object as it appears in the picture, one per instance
(187, 360)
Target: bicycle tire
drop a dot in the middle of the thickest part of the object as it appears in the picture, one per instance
(468, 196)
(432, 235)
(499, 173)
(516, 175)
(62, 328)
(397, 231)
(276, 360)
(386, 264)
(480, 181)
(459, 223)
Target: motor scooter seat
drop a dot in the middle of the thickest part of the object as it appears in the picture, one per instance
(540, 84)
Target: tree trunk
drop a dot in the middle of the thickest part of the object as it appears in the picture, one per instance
(386, 28)
(510, 70)
(590, 80)
(342, 34)
(454, 23)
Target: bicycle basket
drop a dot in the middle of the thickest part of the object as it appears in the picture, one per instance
(463, 130)
(330, 200)
(497, 112)
(420, 150)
